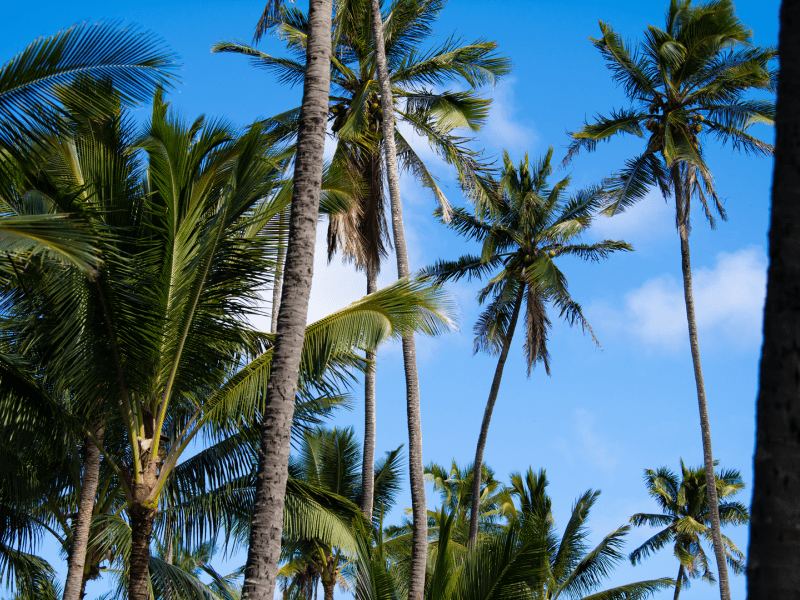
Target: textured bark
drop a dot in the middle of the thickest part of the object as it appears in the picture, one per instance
(487, 418)
(142, 517)
(265, 532)
(678, 583)
(705, 426)
(774, 557)
(328, 588)
(277, 285)
(75, 584)
(368, 462)
(419, 508)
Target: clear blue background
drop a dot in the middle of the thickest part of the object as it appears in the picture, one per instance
(603, 416)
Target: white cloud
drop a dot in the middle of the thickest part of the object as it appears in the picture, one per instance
(589, 445)
(729, 302)
(504, 129)
(648, 220)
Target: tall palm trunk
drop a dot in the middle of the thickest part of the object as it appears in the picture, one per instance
(273, 459)
(419, 508)
(76, 581)
(678, 583)
(142, 517)
(708, 457)
(277, 283)
(368, 462)
(774, 558)
(487, 417)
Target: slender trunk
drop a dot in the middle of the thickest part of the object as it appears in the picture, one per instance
(487, 417)
(168, 550)
(368, 463)
(277, 284)
(142, 517)
(273, 460)
(419, 509)
(76, 581)
(705, 427)
(774, 558)
(678, 583)
(327, 588)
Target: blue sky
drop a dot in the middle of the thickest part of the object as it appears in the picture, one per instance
(604, 415)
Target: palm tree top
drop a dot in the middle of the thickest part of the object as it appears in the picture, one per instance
(694, 75)
(684, 520)
(523, 225)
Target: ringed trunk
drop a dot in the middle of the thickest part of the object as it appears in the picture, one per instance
(75, 584)
(142, 517)
(773, 569)
(705, 427)
(273, 459)
(277, 284)
(487, 417)
(368, 462)
(419, 508)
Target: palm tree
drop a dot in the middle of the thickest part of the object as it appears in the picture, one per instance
(329, 460)
(527, 225)
(361, 130)
(525, 559)
(158, 337)
(692, 76)
(772, 553)
(265, 533)
(685, 517)
(33, 83)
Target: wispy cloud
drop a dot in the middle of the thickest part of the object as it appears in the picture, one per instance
(506, 127)
(729, 302)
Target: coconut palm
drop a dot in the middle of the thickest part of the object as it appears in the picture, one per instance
(686, 82)
(685, 520)
(527, 225)
(33, 83)
(361, 131)
(159, 338)
(264, 549)
(329, 460)
(526, 559)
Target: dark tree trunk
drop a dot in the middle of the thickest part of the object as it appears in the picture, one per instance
(419, 508)
(368, 462)
(142, 518)
(277, 284)
(774, 558)
(705, 426)
(265, 532)
(76, 578)
(328, 588)
(678, 583)
(487, 418)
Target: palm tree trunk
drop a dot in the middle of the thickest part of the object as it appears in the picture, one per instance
(773, 569)
(75, 584)
(487, 417)
(678, 583)
(368, 462)
(419, 508)
(327, 588)
(277, 284)
(142, 517)
(273, 459)
(708, 458)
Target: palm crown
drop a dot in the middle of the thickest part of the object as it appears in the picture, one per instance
(527, 226)
(356, 116)
(685, 519)
(687, 81)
